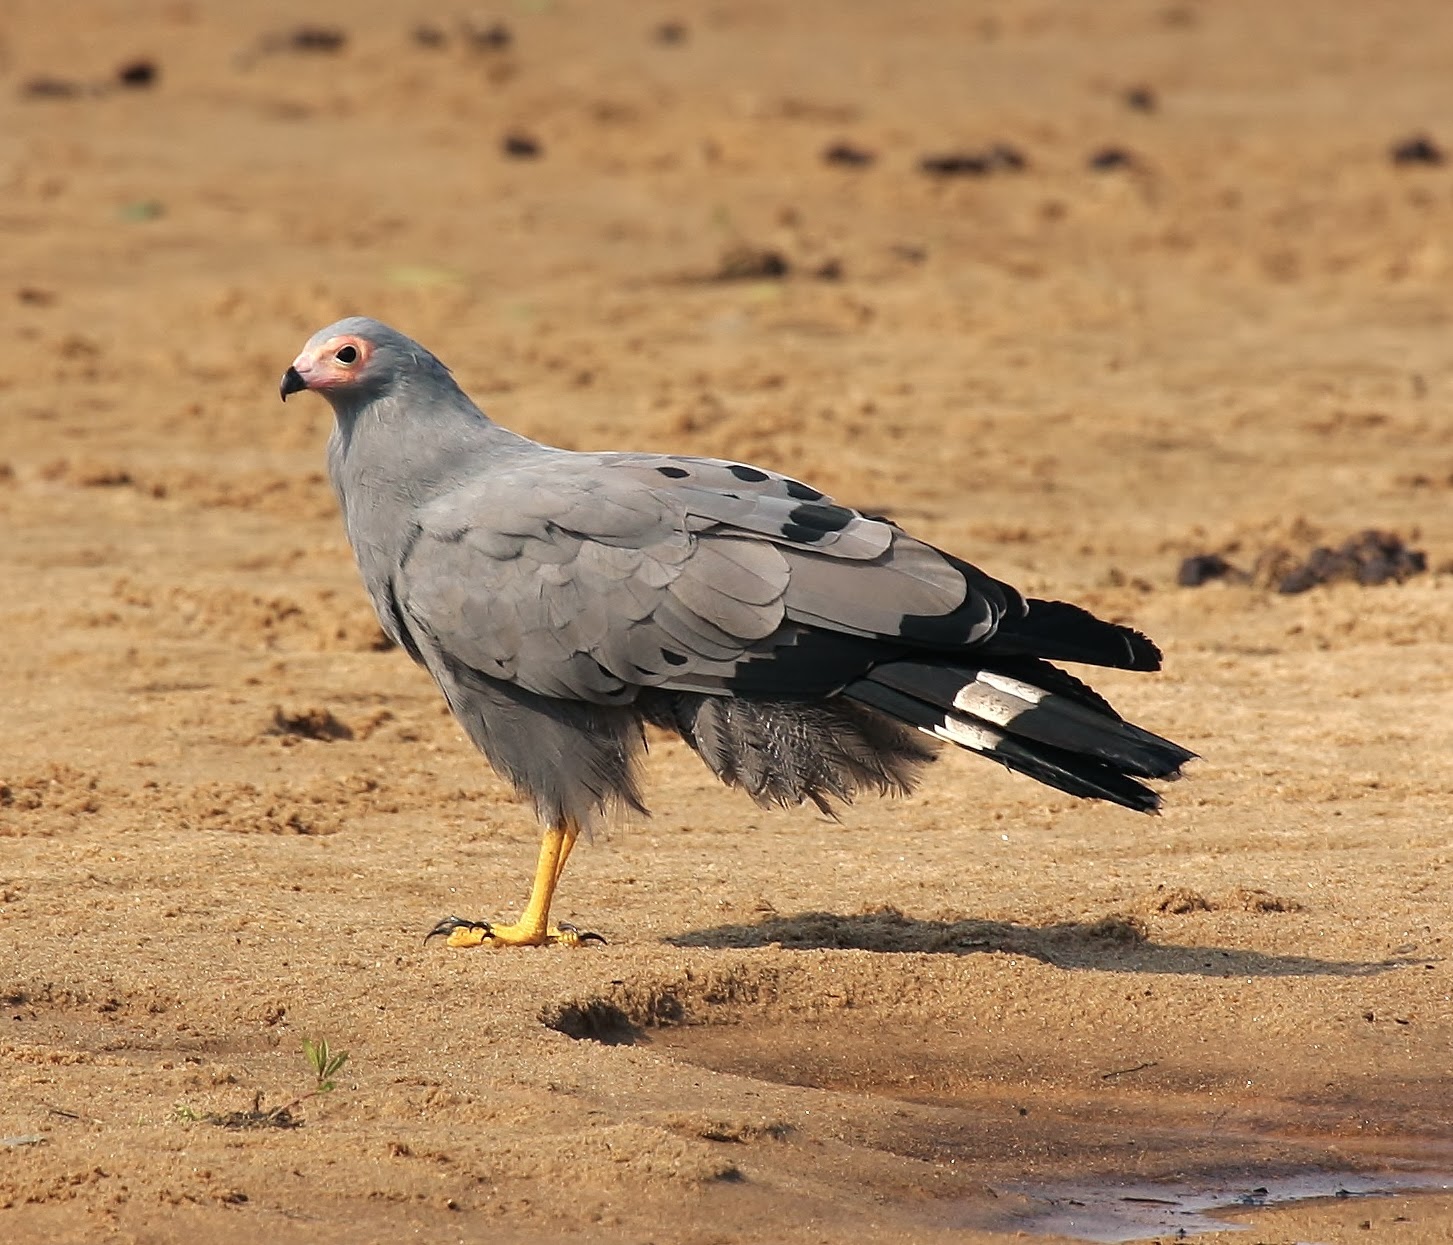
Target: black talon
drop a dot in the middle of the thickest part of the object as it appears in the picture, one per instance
(584, 935)
(450, 923)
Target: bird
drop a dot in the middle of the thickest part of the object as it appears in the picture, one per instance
(808, 652)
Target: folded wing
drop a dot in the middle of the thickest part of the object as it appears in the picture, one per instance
(592, 576)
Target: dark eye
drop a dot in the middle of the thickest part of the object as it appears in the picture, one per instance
(347, 354)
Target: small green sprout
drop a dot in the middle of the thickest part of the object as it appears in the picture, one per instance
(325, 1062)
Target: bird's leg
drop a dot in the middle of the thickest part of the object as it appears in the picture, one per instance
(533, 929)
(566, 847)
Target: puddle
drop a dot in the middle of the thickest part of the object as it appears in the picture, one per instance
(1050, 1127)
(1137, 1211)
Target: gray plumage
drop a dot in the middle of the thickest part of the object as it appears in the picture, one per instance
(562, 600)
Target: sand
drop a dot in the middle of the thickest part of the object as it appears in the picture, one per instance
(228, 812)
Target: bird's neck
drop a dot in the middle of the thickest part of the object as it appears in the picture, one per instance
(396, 445)
(392, 455)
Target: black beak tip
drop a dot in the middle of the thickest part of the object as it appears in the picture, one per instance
(292, 383)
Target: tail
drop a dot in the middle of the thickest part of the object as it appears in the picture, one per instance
(1031, 717)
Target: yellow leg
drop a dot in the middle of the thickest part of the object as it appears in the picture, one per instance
(567, 846)
(533, 929)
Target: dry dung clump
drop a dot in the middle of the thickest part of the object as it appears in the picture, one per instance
(1371, 557)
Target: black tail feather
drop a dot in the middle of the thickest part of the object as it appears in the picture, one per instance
(1063, 735)
(1076, 774)
(1040, 673)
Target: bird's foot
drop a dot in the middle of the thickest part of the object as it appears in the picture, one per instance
(459, 932)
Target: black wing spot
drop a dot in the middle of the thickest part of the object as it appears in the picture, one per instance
(675, 473)
(803, 492)
(821, 518)
(613, 683)
(749, 475)
(673, 659)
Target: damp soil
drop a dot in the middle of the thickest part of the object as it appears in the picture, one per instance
(1394, 1203)
(229, 811)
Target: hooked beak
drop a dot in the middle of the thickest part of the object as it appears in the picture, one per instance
(292, 382)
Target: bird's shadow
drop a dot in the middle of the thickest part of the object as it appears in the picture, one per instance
(1115, 944)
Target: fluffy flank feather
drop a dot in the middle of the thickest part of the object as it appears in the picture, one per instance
(785, 752)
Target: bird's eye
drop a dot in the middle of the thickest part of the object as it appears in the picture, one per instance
(347, 354)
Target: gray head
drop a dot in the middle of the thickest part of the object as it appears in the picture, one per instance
(358, 361)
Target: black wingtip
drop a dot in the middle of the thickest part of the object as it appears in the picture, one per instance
(1145, 653)
(1059, 631)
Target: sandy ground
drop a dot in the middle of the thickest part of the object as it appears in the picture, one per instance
(227, 814)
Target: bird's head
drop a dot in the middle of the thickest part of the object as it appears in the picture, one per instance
(357, 360)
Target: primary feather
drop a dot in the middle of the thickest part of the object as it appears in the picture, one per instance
(562, 600)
